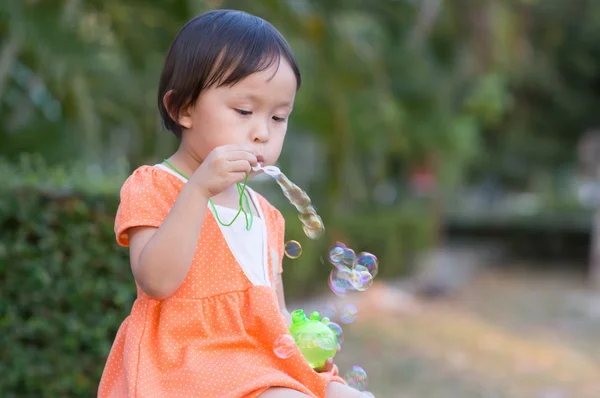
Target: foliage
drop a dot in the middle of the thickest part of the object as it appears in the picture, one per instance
(484, 87)
(31, 171)
(65, 288)
(85, 72)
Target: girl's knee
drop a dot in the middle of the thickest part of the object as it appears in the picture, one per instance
(280, 392)
(339, 390)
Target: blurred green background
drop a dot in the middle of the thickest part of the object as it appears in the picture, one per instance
(446, 137)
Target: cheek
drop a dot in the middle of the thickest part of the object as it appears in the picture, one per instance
(276, 144)
(214, 127)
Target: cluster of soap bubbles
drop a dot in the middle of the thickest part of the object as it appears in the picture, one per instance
(312, 224)
(285, 347)
(351, 272)
(356, 377)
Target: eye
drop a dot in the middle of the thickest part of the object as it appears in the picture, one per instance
(279, 119)
(243, 112)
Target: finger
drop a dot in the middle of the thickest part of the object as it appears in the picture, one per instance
(242, 155)
(326, 367)
(237, 166)
(239, 177)
(233, 147)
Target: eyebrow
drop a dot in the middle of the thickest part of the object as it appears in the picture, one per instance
(256, 98)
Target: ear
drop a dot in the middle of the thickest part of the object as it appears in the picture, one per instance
(184, 118)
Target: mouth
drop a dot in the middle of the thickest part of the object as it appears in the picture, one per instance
(260, 159)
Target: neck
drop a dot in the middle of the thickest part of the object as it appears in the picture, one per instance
(185, 160)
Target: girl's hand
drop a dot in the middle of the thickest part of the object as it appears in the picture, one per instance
(328, 364)
(224, 166)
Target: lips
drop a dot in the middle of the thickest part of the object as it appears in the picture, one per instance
(260, 159)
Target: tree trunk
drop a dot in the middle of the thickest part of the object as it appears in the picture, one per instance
(594, 264)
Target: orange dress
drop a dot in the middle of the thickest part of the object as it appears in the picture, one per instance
(215, 336)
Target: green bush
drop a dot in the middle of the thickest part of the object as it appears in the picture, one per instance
(67, 285)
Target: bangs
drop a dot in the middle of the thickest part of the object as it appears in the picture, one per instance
(238, 62)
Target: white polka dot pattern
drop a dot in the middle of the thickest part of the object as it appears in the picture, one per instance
(214, 337)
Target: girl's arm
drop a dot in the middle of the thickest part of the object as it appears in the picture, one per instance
(281, 300)
(161, 257)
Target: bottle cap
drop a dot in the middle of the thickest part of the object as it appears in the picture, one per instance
(299, 317)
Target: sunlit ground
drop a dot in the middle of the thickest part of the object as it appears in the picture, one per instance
(507, 335)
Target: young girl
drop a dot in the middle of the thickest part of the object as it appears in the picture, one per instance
(205, 249)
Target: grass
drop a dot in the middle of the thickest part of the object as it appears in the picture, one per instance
(509, 334)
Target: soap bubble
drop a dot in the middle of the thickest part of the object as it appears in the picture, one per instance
(357, 378)
(328, 311)
(295, 195)
(340, 280)
(348, 314)
(285, 346)
(349, 258)
(310, 218)
(307, 340)
(327, 342)
(312, 233)
(301, 200)
(361, 278)
(337, 330)
(369, 261)
(312, 224)
(293, 249)
(360, 268)
(336, 255)
(367, 394)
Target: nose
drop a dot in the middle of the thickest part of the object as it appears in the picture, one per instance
(260, 132)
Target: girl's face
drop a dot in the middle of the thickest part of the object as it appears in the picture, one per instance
(254, 112)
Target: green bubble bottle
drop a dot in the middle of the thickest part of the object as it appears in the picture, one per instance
(314, 338)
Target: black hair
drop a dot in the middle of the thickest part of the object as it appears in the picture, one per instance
(219, 47)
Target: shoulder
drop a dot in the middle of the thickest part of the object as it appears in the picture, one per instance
(146, 198)
(151, 179)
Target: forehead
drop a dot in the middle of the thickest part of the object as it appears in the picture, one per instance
(277, 82)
